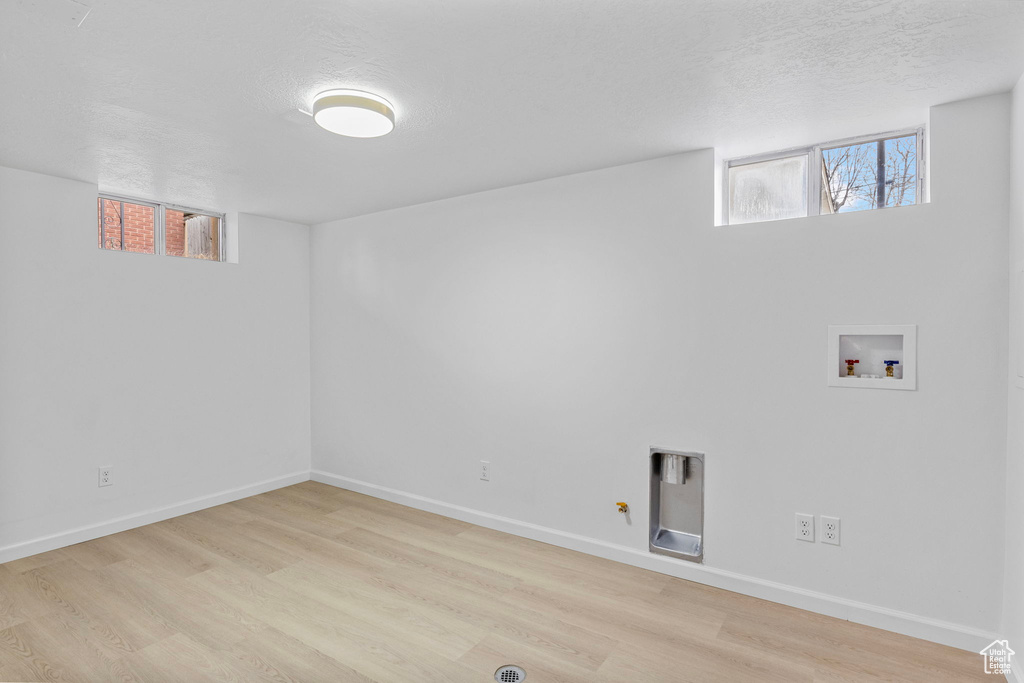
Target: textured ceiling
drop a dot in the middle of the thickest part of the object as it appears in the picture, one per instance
(195, 102)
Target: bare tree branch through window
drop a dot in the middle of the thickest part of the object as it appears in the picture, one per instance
(852, 174)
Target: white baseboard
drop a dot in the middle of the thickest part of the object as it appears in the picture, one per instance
(113, 526)
(934, 630)
(946, 633)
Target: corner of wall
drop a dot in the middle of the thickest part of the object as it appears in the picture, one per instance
(1013, 576)
(719, 189)
(220, 350)
(309, 344)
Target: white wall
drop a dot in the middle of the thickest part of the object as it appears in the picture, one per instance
(1013, 602)
(560, 328)
(191, 378)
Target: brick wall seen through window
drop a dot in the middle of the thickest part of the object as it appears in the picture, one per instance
(146, 228)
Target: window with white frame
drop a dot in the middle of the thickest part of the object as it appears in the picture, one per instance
(146, 227)
(872, 172)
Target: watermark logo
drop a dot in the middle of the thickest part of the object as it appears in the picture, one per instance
(997, 657)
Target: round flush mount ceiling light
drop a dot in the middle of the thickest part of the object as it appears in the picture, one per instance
(354, 113)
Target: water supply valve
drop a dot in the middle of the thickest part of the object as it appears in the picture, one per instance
(888, 367)
(623, 508)
(849, 367)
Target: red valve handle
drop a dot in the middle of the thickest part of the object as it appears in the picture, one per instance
(851, 362)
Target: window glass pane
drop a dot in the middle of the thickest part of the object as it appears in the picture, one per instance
(174, 230)
(768, 190)
(869, 175)
(201, 236)
(139, 228)
(108, 229)
(901, 171)
(124, 226)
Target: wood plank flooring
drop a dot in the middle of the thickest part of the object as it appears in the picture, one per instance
(313, 583)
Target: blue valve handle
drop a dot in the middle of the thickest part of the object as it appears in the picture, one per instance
(890, 363)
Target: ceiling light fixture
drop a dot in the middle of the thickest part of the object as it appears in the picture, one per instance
(353, 113)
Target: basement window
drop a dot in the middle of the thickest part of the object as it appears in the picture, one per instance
(871, 172)
(155, 228)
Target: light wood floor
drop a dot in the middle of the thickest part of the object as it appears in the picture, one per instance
(312, 583)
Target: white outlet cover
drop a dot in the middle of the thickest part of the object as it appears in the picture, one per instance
(830, 530)
(805, 528)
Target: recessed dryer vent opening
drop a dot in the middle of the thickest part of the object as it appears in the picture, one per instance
(677, 504)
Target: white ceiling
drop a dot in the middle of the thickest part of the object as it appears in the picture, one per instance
(195, 101)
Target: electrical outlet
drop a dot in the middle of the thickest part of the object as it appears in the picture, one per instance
(805, 527)
(485, 470)
(106, 476)
(830, 530)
